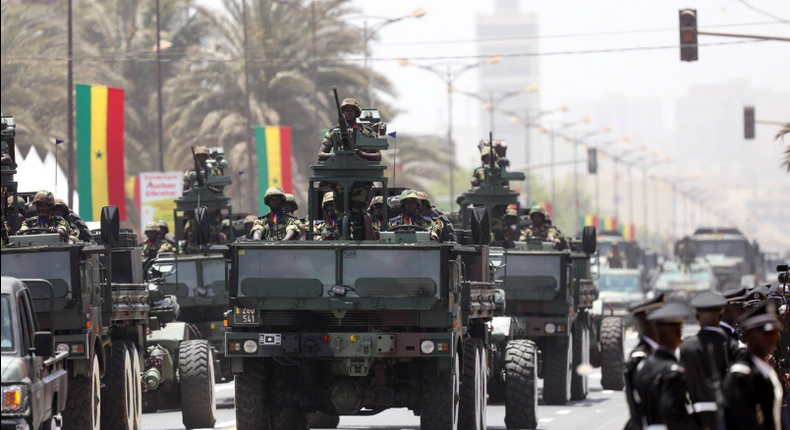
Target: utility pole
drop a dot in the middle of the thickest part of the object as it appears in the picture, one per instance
(159, 89)
(248, 112)
(70, 112)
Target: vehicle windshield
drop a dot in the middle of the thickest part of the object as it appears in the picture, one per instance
(8, 331)
(730, 248)
(700, 277)
(621, 283)
(54, 266)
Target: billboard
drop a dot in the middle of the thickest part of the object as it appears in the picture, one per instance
(158, 190)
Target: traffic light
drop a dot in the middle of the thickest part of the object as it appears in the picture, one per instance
(748, 122)
(688, 35)
(592, 161)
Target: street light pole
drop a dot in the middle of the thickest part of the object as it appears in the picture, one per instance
(69, 113)
(159, 89)
(248, 110)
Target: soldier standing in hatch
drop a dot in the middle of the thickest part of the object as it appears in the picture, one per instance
(276, 225)
(478, 176)
(202, 156)
(79, 228)
(290, 208)
(154, 244)
(328, 228)
(9, 211)
(43, 202)
(539, 229)
(660, 380)
(376, 211)
(710, 347)
(164, 232)
(410, 202)
(752, 390)
(647, 344)
(687, 252)
(616, 258)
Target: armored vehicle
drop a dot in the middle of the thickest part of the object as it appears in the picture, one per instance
(684, 283)
(634, 255)
(730, 254)
(355, 327)
(34, 376)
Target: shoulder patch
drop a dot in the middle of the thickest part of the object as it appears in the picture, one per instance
(740, 368)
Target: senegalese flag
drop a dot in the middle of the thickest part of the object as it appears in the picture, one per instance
(629, 232)
(273, 148)
(100, 179)
(608, 224)
(590, 220)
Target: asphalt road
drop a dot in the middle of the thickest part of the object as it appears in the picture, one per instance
(602, 410)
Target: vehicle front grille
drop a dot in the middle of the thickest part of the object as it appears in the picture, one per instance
(351, 318)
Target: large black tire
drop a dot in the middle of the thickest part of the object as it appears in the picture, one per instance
(595, 344)
(118, 394)
(137, 397)
(496, 383)
(558, 366)
(83, 407)
(439, 394)
(472, 389)
(292, 419)
(581, 355)
(320, 420)
(612, 354)
(196, 380)
(521, 385)
(252, 408)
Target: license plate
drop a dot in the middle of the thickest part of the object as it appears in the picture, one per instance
(269, 339)
(247, 316)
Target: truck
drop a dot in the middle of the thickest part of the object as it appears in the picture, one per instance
(353, 327)
(35, 381)
(731, 255)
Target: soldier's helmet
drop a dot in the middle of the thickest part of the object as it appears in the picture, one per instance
(512, 210)
(60, 203)
(225, 223)
(538, 209)
(289, 198)
(249, 219)
(163, 225)
(424, 197)
(271, 192)
(354, 103)
(20, 201)
(377, 200)
(202, 150)
(44, 197)
(409, 194)
(485, 152)
(328, 198)
(151, 227)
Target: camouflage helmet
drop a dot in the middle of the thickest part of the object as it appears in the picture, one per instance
(201, 150)
(328, 197)
(378, 200)
(249, 219)
(485, 151)
(163, 224)
(225, 223)
(409, 194)
(352, 102)
(424, 197)
(289, 198)
(271, 192)
(538, 209)
(20, 201)
(61, 203)
(44, 197)
(512, 210)
(151, 227)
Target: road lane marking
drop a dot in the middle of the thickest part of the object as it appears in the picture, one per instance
(563, 412)
(545, 420)
(607, 392)
(225, 424)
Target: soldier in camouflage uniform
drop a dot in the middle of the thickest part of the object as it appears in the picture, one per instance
(444, 226)
(616, 258)
(687, 251)
(276, 225)
(503, 229)
(540, 229)
(410, 202)
(9, 210)
(202, 156)
(376, 211)
(328, 228)
(43, 202)
(78, 227)
(478, 176)
(249, 222)
(164, 232)
(154, 244)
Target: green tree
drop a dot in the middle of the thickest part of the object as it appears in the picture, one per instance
(418, 159)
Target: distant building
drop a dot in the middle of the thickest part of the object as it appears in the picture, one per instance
(512, 32)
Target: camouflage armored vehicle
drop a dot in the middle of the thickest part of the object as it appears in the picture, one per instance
(355, 327)
(35, 382)
(730, 254)
(634, 255)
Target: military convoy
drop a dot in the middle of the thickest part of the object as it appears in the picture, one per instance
(734, 259)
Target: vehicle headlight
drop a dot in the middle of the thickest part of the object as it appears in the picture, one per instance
(549, 328)
(250, 346)
(62, 347)
(427, 347)
(15, 399)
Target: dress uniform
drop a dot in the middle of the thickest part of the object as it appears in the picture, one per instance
(756, 296)
(706, 356)
(661, 380)
(735, 309)
(643, 349)
(752, 391)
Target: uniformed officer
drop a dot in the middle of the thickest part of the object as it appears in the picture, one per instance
(660, 379)
(539, 229)
(410, 203)
(328, 228)
(44, 219)
(752, 391)
(275, 225)
(755, 296)
(209, 169)
(733, 311)
(376, 211)
(154, 244)
(164, 232)
(478, 176)
(78, 226)
(290, 204)
(441, 223)
(647, 344)
(511, 226)
(20, 215)
(616, 258)
(706, 356)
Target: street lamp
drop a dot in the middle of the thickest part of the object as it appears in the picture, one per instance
(553, 132)
(368, 33)
(449, 72)
(576, 143)
(619, 158)
(624, 139)
(491, 100)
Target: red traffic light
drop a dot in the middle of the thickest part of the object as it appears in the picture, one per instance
(688, 34)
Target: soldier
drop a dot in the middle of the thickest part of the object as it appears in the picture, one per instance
(376, 211)
(44, 219)
(706, 356)
(225, 228)
(647, 344)
(9, 210)
(478, 176)
(410, 203)
(733, 311)
(202, 156)
(79, 227)
(249, 222)
(539, 229)
(154, 244)
(687, 252)
(616, 258)
(328, 229)
(755, 297)
(275, 225)
(752, 391)
(441, 223)
(660, 380)
(290, 204)
(164, 232)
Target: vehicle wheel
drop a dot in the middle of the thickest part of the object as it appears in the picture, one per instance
(521, 385)
(612, 354)
(118, 392)
(496, 383)
(320, 420)
(472, 387)
(440, 398)
(557, 374)
(137, 396)
(291, 419)
(83, 407)
(252, 409)
(581, 355)
(196, 378)
(595, 344)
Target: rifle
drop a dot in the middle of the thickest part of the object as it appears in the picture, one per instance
(198, 170)
(341, 123)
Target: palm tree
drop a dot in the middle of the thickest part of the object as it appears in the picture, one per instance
(418, 160)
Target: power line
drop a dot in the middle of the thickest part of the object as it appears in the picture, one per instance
(768, 14)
